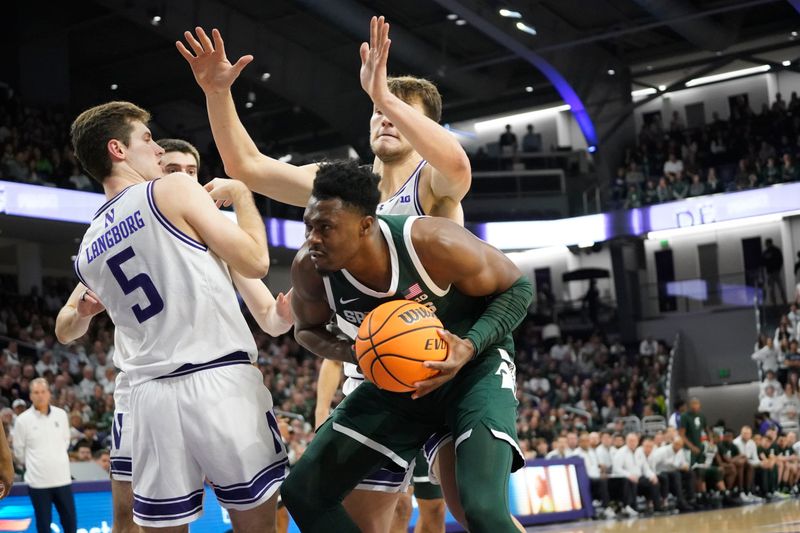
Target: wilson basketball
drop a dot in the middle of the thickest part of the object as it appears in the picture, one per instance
(393, 342)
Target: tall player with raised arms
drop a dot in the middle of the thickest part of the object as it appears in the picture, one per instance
(423, 170)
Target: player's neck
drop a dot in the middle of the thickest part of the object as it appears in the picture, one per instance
(372, 266)
(395, 173)
(120, 180)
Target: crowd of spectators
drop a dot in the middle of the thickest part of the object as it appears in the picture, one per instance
(585, 398)
(747, 151)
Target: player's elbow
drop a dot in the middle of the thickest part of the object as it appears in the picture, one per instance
(61, 333)
(255, 267)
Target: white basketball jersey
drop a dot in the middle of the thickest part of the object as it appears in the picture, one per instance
(406, 200)
(170, 297)
(403, 202)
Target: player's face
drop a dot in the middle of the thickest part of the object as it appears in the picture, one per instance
(333, 233)
(386, 142)
(142, 153)
(179, 162)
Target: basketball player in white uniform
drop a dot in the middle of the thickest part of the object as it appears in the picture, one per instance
(153, 255)
(423, 169)
(272, 314)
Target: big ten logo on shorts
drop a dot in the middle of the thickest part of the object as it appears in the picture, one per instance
(354, 317)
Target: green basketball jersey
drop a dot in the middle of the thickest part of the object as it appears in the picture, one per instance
(352, 301)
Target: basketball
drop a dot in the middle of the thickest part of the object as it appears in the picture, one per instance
(393, 342)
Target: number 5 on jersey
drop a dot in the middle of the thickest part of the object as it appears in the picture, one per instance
(139, 281)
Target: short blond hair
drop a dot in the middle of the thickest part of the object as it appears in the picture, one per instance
(410, 89)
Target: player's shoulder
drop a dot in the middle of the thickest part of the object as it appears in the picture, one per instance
(177, 180)
(437, 233)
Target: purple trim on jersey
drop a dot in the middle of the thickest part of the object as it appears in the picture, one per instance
(433, 444)
(169, 508)
(122, 466)
(419, 166)
(249, 492)
(417, 203)
(78, 269)
(181, 236)
(385, 478)
(111, 201)
(235, 358)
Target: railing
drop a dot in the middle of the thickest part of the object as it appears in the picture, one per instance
(517, 183)
(669, 392)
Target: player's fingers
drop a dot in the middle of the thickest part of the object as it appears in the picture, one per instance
(187, 55)
(445, 366)
(208, 46)
(364, 52)
(218, 203)
(209, 186)
(385, 53)
(384, 34)
(373, 26)
(219, 44)
(91, 299)
(194, 43)
(243, 62)
(426, 387)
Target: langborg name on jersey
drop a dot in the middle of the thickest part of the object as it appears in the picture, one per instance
(114, 235)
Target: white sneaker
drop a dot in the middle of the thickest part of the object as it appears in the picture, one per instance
(609, 514)
(630, 511)
(745, 498)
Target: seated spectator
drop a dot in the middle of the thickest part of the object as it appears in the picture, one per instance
(631, 464)
(102, 458)
(633, 199)
(598, 481)
(671, 465)
(770, 403)
(605, 452)
(634, 176)
(709, 474)
(747, 447)
(713, 186)
(560, 450)
(680, 189)
(770, 173)
(83, 452)
(697, 188)
(650, 195)
(673, 165)
(648, 347)
(663, 191)
(769, 381)
(789, 170)
(47, 362)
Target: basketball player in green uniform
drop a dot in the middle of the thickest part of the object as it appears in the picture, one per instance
(423, 170)
(354, 260)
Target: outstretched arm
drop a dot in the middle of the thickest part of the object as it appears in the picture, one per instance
(215, 75)
(74, 318)
(451, 175)
(6, 465)
(273, 315)
(312, 314)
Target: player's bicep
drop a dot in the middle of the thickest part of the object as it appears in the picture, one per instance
(221, 234)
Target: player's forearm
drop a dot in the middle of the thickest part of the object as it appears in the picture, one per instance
(330, 375)
(70, 325)
(502, 316)
(255, 262)
(430, 140)
(321, 342)
(236, 147)
(261, 304)
(243, 161)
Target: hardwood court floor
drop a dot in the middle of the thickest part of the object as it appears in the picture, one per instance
(779, 517)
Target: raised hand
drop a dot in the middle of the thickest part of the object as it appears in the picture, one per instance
(374, 56)
(283, 307)
(210, 66)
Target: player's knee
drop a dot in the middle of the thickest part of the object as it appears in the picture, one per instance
(293, 494)
(484, 515)
(432, 511)
(404, 508)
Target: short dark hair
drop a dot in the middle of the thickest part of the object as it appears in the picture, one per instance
(83, 444)
(179, 145)
(354, 185)
(93, 128)
(100, 453)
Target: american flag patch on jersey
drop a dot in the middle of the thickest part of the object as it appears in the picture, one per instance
(412, 292)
